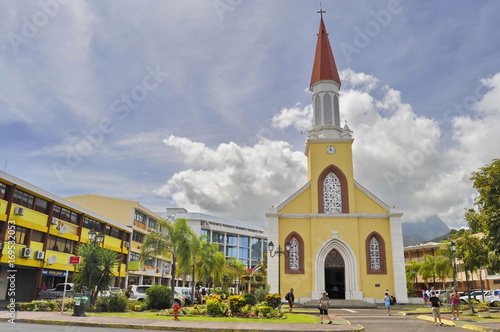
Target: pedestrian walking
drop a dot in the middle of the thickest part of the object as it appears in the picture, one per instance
(387, 301)
(436, 310)
(290, 298)
(323, 305)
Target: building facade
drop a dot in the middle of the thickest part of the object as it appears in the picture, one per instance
(335, 235)
(141, 221)
(241, 240)
(483, 277)
(39, 231)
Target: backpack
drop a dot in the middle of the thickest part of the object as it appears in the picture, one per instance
(393, 300)
(287, 296)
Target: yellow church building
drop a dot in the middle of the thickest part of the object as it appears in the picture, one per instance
(333, 234)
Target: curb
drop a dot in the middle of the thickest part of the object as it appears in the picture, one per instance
(349, 328)
(470, 327)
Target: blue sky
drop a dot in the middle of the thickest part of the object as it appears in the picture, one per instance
(204, 104)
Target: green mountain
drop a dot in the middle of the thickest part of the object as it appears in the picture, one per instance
(431, 229)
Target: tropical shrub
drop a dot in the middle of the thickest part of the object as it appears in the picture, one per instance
(216, 307)
(112, 303)
(159, 297)
(261, 292)
(265, 311)
(273, 300)
(250, 299)
(246, 310)
(236, 302)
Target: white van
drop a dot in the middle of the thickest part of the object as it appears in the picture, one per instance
(185, 292)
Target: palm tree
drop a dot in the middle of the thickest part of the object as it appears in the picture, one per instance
(170, 239)
(428, 268)
(195, 256)
(412, 267)
(210, 263)
(96, 272)
(234, 268)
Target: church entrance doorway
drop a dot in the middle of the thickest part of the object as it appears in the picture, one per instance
(335, 275)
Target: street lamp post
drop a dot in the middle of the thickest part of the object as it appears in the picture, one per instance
(278, 252)
(453, 249)
(95, 238)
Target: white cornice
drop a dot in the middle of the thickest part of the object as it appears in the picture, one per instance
(334, 216)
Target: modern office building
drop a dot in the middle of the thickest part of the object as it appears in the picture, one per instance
(244, 241)
(39, 231)
(140, 221)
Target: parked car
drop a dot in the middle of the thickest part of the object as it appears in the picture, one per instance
(492, 297)
(109, 291)
(138, 293)
(185, 292)
(474, 295)
(495, 297)
(56, 292)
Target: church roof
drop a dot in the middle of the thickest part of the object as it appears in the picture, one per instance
(324, 68)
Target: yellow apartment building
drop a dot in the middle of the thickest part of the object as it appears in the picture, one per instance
(39, 231)
(140, 221)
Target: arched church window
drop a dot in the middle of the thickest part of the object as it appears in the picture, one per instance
(294, 254)
(295, 260)
(317, 111)
(375, 254)
(336, 110)
(332, 191)
(327, 108)
(332, 199)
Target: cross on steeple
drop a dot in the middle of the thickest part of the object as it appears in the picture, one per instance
(321, 11)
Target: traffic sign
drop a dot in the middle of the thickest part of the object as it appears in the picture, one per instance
(74, 259)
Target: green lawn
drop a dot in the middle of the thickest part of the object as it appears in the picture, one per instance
(290, 318)
(495, 314)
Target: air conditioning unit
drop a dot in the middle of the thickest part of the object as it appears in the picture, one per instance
(26, 252)
(127, 244)
(40, 255)
(19, 211)
(54, 221)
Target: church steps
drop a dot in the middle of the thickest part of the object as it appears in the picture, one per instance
(341, 304)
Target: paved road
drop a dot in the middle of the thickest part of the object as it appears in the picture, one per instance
(374, 322)
(24, 327)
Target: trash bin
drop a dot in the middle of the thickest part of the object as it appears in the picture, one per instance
(80, 305)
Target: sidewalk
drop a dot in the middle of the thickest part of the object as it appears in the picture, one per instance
(57, 318)
(465, 323)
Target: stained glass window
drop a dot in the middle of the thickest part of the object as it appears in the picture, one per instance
(332, 200)
(294, 254)
(374, 254)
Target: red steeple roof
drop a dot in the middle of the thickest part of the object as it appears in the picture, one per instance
(324, 68)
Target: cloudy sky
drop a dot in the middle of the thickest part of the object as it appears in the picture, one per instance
(204, 104)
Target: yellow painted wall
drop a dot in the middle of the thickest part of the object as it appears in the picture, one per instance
(300, 204)
(365, 204)
(316, 231)
(318, 160)
(3, 210)
(119, 210)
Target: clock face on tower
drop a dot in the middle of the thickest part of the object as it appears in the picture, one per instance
(330, 149)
